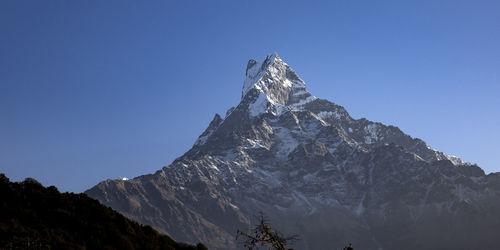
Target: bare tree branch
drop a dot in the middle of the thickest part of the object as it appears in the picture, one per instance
(264, 235)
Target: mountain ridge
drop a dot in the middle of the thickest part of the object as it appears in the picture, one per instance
(305, 162)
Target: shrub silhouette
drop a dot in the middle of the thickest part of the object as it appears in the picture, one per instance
(264, 235)
(348, 247)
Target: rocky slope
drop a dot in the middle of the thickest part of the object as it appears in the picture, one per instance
(317, 172)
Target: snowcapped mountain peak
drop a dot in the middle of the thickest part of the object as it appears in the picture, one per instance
(256, 70)
(272, 83)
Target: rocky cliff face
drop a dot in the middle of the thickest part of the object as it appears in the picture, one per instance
(316, 172)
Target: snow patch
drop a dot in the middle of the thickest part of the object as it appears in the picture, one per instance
(300, 92)
(287, 142)
(262, 105)
(233, 206)
(330, 114)
(255, 73)
(212, 166)
(252, 144)
(371, 131)
(320, 119)
(304, 101)
(259, 106)
(454, 159)
(202, 140)
(443, 156)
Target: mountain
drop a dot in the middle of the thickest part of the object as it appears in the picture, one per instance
(35, 217)
(316, 172)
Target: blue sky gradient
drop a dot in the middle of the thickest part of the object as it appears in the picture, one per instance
(91, 90)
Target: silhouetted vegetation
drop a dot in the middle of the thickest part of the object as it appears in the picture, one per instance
(35, 217)
(264, 235)
(349, 247)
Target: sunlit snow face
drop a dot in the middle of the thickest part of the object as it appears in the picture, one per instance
(279, 88)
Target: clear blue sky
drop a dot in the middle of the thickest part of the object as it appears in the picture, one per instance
(91, 90)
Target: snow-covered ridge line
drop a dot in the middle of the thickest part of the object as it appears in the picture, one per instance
(255, 71)
(280, 88)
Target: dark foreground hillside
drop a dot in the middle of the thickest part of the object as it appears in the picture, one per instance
(35, 217)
